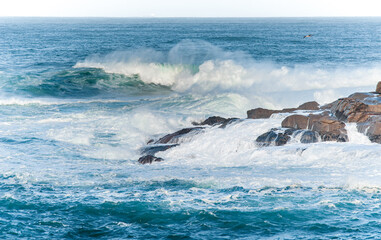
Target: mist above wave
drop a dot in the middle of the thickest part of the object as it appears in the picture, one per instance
(199, 67)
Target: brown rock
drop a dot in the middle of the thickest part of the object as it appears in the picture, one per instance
(360, 95)
(309, 106)
(378, 88)
(296, 121)
(258, 113)
(330, 129)
(371, 128)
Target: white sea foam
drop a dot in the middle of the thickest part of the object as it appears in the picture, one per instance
(220, 71)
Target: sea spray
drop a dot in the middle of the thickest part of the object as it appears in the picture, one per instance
(70, 137)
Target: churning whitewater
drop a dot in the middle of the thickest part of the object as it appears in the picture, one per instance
(80, 99)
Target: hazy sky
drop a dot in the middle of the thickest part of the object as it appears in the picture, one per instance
(190, 8)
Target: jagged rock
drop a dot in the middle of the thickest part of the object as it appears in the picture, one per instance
(352, 110)
(360, 95)
(378, 88)
(174, 137)
(148, 159)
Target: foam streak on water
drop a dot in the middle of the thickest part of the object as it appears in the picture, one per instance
(80, 98)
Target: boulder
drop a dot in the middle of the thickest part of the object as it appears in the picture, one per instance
(273, 137)
(371, 128)
(309, 106)
(307, 136)
(352, 110)
(378, 88)
(148, 159)
(295, 121)
(330, 129)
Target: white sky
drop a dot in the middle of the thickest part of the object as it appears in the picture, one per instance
(190, 8)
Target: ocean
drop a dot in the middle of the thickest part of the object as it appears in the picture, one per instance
(80, 98)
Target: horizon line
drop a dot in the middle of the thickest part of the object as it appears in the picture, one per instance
(153, 17)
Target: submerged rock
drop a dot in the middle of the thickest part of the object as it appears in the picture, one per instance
(152, 149)
(274, 137)
(174, 137)
(149, 159)
(308, 136)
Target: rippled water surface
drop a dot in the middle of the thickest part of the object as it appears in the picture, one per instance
(79, 98)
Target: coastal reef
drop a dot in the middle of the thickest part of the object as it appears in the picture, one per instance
(308, 123)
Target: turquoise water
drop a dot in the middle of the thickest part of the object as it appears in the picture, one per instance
(80, 97)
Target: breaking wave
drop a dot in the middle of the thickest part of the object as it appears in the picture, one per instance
(200, 67)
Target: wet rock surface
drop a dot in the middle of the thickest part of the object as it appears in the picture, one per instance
(149, 159)
(174, 137)
(259, 113)
(314, 124)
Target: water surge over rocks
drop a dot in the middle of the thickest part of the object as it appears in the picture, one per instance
(140, 129)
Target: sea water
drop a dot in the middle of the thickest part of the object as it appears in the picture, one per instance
(80, 97)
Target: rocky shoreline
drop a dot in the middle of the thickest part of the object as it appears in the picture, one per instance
(321, 123)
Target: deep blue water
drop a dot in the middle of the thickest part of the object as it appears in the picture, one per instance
(80, 97)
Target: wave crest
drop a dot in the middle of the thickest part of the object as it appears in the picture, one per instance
(199, 67)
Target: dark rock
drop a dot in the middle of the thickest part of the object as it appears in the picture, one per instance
(152, 149)
(267, 138)
(216, 120)
(229, 121)
(174, 137)
(148, 159)
(212, 121)
(308, 136)
(274, 137)
(281, 139)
